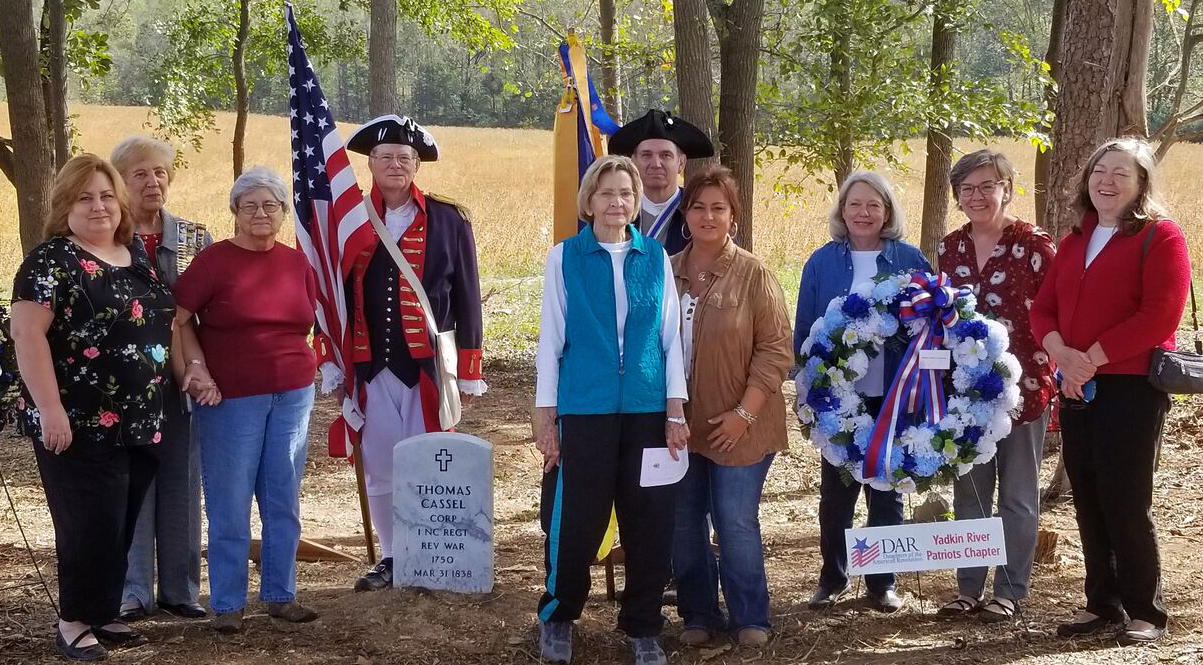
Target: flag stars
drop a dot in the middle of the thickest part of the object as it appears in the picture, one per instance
(309, 85)
(308, 151)
(321, 123)
(309, 118)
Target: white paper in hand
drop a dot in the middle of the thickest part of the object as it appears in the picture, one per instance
(659, 468)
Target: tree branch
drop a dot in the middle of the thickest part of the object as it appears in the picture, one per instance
(555, 31)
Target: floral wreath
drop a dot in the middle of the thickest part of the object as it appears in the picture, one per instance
(920, 438)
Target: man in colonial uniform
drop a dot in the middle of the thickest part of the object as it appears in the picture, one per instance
(393, 355)
(660, 144)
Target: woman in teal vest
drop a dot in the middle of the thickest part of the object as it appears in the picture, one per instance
(610, 394)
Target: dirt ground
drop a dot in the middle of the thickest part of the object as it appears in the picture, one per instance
(413, 626)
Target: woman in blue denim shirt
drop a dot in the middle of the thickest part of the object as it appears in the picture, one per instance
(866, 226)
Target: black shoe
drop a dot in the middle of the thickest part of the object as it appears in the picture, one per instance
(74, 652)
(1076, 628)
(122, 638)
(380, 577)
(1128, 637)
(887, 601)
(133, 613)
(825, 597)
(184, 610)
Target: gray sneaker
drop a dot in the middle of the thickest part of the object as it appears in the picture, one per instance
(555, 641)
(648, 651)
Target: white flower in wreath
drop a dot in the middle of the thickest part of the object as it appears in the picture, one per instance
(1015, 370)
(958, 405)
(849, 337)
(1017, 251)
(969, 353)
(905, 485)
(864, 289)
(1037, 260)
(858, 362)
(962, 271)
(998, 277)
(999, 250)
(836, 374)
(993, 299)
(1012, 397)
(806, 414)
(848, 425)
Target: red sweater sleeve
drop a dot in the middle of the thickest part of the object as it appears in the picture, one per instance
(1165, 276)
(1043, 315)
(194, 288)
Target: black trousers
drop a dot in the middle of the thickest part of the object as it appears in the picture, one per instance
(94, 492)
(1110, 448)
(600, 461)
(837, 507)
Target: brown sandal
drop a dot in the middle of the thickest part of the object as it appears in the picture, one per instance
(998, 610)
(958, 607)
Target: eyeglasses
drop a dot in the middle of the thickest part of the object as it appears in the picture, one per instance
(986, 188)
(403, 159)
(269, 207)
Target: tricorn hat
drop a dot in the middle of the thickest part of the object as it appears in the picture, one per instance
(657, 124)
(400, 130)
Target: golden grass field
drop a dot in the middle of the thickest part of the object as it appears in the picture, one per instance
(503, 176)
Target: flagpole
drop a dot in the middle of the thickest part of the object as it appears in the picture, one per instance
(361, 485)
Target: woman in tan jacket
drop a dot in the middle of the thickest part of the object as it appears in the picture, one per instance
(737, 352)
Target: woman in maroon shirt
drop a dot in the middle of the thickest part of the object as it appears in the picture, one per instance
(251, 368)
(1004, 260)
(1115, 291)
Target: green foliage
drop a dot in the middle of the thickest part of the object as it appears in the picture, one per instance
(852, 77)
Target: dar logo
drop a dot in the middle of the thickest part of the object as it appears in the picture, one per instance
(864, 554)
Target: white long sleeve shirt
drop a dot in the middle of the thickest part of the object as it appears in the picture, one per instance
(555, 307)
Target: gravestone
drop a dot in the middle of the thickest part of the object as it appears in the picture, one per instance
(443, 513)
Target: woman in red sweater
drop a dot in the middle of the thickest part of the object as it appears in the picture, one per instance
(1115, 291)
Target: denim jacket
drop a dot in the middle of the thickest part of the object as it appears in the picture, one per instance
(828, 275)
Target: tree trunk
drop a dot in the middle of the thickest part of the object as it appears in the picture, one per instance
(939, 134)
(1053, 58)
(54, 84)
(611, 95)
(738, 26)
(242, 97)
(382, 58)
(31, 145)
(841, 74)
(695, 84)
(1102, 74)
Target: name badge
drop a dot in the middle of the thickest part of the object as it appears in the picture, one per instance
(935, 359)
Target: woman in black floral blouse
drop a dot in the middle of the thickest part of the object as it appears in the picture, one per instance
(92, 325)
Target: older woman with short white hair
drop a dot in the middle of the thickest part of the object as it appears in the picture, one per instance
(866, 227)
(611, 389)
(251, 369)
(169, 527)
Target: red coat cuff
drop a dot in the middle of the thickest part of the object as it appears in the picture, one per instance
(322, 347)
(470, 361)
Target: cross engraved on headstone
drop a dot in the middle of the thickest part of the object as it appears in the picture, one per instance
(443, 458)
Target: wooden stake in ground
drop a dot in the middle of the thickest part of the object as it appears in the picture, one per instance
(363, 507)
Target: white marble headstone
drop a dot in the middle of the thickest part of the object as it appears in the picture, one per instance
(443, 512)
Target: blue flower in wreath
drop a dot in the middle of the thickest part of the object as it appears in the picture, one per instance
(927, 466)
(908, 463)
(821, 351)
(856, 307)
(828, 422)
(972, 328)
(989, 385)
(855, 454)
(812, 364)
(972, 435)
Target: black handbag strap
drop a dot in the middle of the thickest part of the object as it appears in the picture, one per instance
(1194, 309)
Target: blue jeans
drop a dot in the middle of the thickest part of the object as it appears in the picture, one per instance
(730, 497)
(253, 446)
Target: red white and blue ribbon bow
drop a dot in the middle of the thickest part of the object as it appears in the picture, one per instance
(931, 301)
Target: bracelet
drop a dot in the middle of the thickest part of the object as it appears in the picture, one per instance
(195, 361)
(676, 420)
(747, 415)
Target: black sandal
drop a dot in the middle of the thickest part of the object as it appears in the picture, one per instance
(75, 652)
(958, 607)
(1003, 612)
(122, 638)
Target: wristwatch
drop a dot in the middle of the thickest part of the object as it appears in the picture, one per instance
(676, 420)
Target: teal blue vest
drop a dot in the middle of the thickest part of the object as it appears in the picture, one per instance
(593, 379)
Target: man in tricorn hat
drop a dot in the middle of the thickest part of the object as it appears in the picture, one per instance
(660, 144)
(393, 354)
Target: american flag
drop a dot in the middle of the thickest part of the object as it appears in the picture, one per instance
(331, 221)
